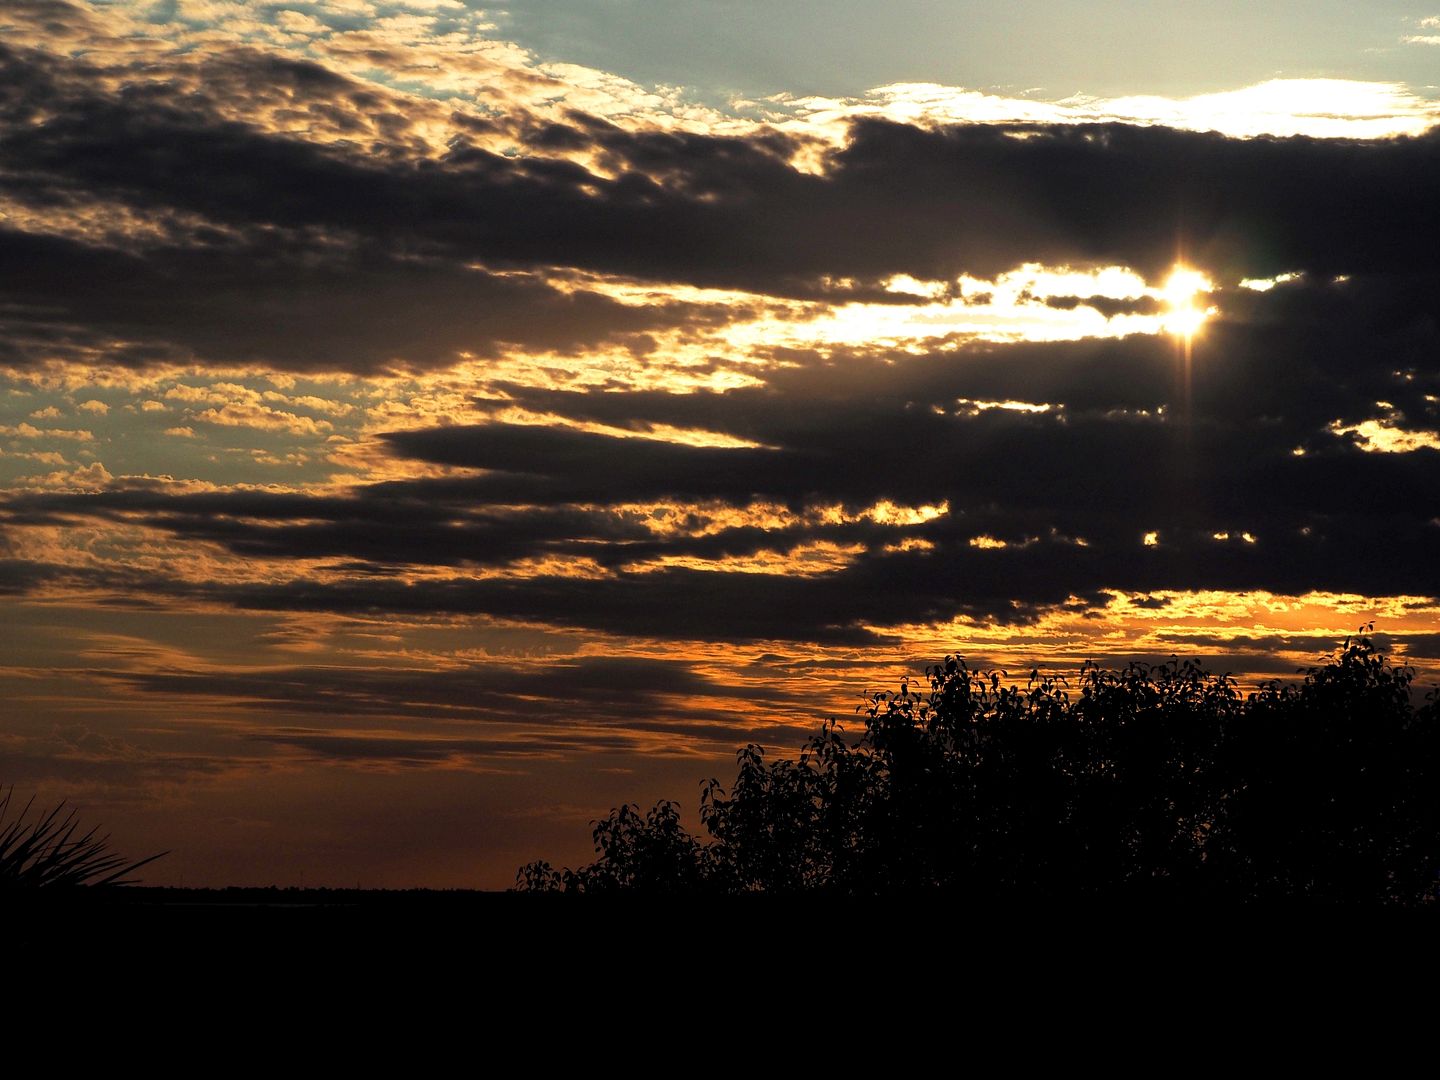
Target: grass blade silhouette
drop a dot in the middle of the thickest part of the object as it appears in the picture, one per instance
(47, 853)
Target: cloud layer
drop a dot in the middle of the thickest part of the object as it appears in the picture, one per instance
(379, 397)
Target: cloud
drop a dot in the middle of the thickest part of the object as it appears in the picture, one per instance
(463, 413)
(1311, 107)
(1042, 507)
(256, 307)
(289, 214)
(30, 431)
(581, 703)
(85, 478)
(263, 418)
(354, 244)
(1430, 23)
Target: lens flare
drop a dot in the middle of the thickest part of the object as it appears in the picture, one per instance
(1182, 294)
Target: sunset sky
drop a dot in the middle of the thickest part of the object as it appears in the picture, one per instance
(425, 426)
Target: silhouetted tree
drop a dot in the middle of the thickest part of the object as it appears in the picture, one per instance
(652, 853)
(1147, 782)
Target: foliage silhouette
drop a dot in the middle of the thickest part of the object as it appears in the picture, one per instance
(45, 852)
(1151, 782)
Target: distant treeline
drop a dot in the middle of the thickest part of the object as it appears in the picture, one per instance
(1147, 783)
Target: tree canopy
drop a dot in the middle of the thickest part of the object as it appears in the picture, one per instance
(1148, 782)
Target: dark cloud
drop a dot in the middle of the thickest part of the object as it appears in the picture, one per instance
(261, 301)
(360, 252)
(683, 604)
(1108, 306)
(221, 205)
(1421, 646)
(355, 250)
(1121, 452)
(21, 576)
(579, 703)
(370, 749)
(593, 689)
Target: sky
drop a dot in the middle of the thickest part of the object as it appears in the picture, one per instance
(424, 427)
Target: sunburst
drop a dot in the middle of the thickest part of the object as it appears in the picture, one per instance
(1183, 295)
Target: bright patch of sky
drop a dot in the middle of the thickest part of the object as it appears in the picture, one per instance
(1326, 69)
(1055, 49)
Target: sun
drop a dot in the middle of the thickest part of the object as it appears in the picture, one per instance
(1184, 313)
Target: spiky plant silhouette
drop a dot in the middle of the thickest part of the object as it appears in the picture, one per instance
(48, 851)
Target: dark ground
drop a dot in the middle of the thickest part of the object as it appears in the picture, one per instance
(525, 927)
(571, 979)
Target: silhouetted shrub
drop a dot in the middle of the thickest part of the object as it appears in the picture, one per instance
(1151, 782)
(48, 851)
